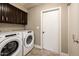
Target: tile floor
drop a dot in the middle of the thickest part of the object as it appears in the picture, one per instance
(41, 52)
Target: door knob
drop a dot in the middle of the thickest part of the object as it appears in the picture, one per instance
(43, 32)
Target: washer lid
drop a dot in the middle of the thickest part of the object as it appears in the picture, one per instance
(5, 35)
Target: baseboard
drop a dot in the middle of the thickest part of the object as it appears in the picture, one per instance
(64, 54)
(61, 54)
(38, 46)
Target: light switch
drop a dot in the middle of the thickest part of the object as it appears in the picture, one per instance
(37, 27)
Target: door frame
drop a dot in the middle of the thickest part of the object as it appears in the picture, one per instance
(59, 27)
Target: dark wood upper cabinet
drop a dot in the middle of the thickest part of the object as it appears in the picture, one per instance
(11, 14)
(24, 18)
(4, 10)
(19, 16)
(0, 12)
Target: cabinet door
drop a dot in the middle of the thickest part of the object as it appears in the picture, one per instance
(10, 14)
(3, 12)
(24, 18)
(0, 12)
(19, 16)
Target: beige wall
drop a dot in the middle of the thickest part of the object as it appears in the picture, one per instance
(73, 28)
(34, 20)
(10, 27)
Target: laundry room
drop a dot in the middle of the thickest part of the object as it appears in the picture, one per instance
(38, 29)
(23, 22)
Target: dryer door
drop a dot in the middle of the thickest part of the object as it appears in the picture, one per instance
(10, 46)
(29, 40)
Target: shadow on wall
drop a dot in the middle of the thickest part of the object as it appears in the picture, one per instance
(10, 27)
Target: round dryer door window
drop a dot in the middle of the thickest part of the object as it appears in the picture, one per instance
(9, 48)
(29, 39)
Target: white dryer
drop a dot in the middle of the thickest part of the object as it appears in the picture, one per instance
(28, 41)
(11, 44)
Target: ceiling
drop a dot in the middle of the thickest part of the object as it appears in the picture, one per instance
(26, 5)
(30, 5)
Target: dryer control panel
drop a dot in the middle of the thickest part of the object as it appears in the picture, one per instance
(29, 31)
(10, 35)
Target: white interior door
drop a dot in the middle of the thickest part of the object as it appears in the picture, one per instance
(50, 27)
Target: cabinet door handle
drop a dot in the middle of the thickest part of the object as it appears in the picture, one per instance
(2, 18)
(6, 18)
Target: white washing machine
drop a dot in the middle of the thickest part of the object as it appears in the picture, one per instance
(28, 41)
(11, 44)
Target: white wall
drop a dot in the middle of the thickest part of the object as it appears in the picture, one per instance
(34, 20)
